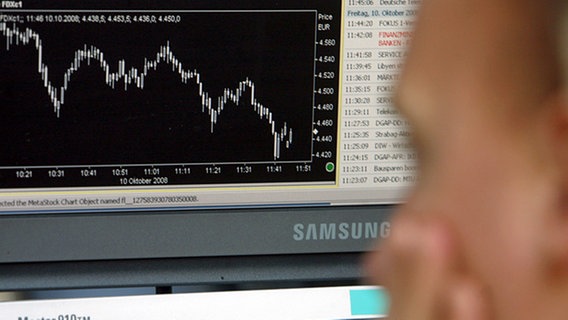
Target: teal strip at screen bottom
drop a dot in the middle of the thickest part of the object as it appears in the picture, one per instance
(369, 302)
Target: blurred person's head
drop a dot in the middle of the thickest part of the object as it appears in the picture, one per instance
(482, 89)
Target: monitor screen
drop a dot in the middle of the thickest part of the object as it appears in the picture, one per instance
(347, 303)
(206, 128)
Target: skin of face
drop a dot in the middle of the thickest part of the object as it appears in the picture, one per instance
(484, 234)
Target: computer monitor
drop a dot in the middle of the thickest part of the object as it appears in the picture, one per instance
(161, 142)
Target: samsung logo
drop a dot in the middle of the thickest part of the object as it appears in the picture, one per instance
(341, 231)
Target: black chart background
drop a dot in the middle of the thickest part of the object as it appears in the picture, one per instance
(272, 44)
(163, 122)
